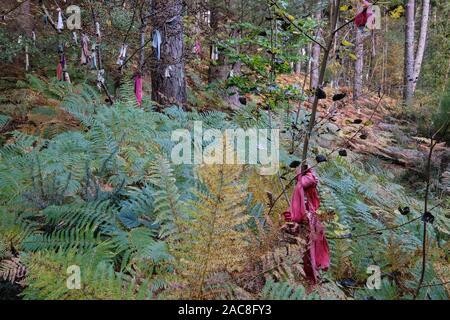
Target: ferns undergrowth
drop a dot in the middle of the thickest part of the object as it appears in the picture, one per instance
(107, 199)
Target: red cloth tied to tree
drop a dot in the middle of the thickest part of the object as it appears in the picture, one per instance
(304, 204)
(362, 17)
(138, 89)
(59, 72)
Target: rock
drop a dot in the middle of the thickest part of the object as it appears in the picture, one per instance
(332, 128)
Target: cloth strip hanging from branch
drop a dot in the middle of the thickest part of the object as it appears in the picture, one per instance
(156, 43)
(100, 78)
(138, 88)
(59, 71)
(362, 17)
(197, 48)
(97, 29)
(304, 204)
(94, 56)
(167, 72)
(60, 23)
(122, 55)
(84, 49)
(214, 53)
(27, 59)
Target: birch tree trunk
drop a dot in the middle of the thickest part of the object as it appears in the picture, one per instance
(314, 77)
(408, 79)
(422, 41)
(168, 73)
(297, 68)
(359, 62)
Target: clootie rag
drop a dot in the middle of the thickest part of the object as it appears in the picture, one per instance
(138, 89)
(304, 204)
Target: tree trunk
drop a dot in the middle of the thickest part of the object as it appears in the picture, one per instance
(168, 73)
(298, 64)
(218, 69)
(221, 69)
(422, 41)
(323, 67)
(359, 62)
(142, 30)
(314, 77)
(408, 79)
(27, 22)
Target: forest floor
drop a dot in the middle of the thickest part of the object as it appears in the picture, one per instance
(370, 128)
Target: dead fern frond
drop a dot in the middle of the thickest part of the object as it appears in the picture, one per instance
(12, 270)
(215, 239)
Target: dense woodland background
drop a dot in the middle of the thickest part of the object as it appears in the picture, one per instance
(85, 171)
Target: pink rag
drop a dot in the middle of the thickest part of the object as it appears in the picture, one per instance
(362, 17)
(197, 48)
(138, 88)
(59, 72)
(317, 257)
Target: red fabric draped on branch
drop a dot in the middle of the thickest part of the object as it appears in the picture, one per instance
(362, 17)
(138, 89)
(304, 204)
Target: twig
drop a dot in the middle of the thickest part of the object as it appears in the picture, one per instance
(296, 26)
(435, 284)
(147, 42)
(13, 9)
(433, 144)
(376, 232)
(49, 17)
(321, 78)
(328, 154)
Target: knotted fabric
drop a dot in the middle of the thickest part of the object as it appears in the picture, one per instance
(304, 204)
(362, 17)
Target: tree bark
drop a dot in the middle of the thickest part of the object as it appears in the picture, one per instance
(168, 73)
(27, 22)
(298, 65)
(422, 42)
(408, 79)
(142, 30)
(220, 68)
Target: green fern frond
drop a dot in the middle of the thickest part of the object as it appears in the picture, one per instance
(283, 291)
